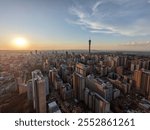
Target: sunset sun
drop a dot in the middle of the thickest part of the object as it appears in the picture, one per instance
(20, 43)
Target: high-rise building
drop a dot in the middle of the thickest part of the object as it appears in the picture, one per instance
(82, 69)
(104, 89)
(39, 91)
(95, 102)
(66, 91)
(86, 96)
(52, 77)
(142, 81)
(46, 85)
(78, 86)
(54, 73)
(22, 87)
(120, 61)
(91, 103)
(79, 77)
(137, 78)
(145, 83)
(101, 105)
(29, 90)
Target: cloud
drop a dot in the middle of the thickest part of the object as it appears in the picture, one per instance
(134, 45)
(95, 6)
(123, 17)
(77, 12)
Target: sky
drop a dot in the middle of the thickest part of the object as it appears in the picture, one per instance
(69, 24)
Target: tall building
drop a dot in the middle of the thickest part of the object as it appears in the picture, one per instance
(78, 86)
(104, 89)
(142, 81)
(66, 91)
(46, 85)
(145, 83)
(79, 77)
(82, 69)
(39, 91)
(95, 102)
(29, 90)
(137, 78)
(101, 105)
(89, 46)
(22, 87)
(52, 77)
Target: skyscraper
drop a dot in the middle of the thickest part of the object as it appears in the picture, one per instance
(142, 81)
(39, 91)
(137, 78)
(145, 83)
(79, 80)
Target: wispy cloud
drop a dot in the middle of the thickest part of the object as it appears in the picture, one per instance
(77, 12)
(129, 18)
(135, 43)
(96, 5)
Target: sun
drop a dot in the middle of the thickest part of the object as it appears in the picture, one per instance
(20, 43)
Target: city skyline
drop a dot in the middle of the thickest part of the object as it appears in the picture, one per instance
(68, 24)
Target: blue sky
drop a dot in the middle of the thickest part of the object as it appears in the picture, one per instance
(68, 24)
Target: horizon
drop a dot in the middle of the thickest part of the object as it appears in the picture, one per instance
(85, 50)
(112, 25)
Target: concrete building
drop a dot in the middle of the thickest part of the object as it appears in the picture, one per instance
(101, 105)
(119, 70)
(145, 83)
(22, 87)
(29, 90)
(54, 73)
(79, 77)
(86, 96)
(91, 101)
(78, 86)
(137, 78)
(39, 91)
(53, 108)
(82, 69)
(47, 85)
(95, 102)
(66, 91)
(105, 89)
(142, 81)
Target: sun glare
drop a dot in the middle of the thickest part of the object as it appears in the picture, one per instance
(21, 43)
